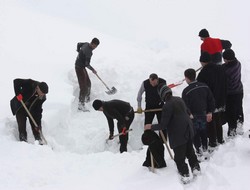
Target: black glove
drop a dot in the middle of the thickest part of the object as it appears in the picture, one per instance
(111, 136)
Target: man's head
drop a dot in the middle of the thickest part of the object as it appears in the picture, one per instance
(164, 91)
(190, 75)
(42, 88)
(203, 34)
(97, 105)
(205, 58)
(94, 43)
(228, 55)
(153, 79)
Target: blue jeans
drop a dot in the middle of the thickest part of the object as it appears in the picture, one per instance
(200, 131)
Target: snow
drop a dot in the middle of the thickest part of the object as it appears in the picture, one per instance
(38, 41)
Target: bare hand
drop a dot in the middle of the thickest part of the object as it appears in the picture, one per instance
(147, 126)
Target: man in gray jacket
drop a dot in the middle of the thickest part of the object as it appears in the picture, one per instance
(82, 61)
(175, 119)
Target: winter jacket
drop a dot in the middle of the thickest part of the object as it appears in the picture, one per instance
(84, 56)
(152, 97)
(214, 47)
(214, 77)
(198, 98)
(116, 109)
(233, 74)
(175, 119)
(27, 87)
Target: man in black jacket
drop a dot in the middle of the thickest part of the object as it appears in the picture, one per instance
(200, 102)
(175, 119)
(82, 61)
(122, 112)
(152, 98)
(214, 77)
(33, 95)
(234, 110)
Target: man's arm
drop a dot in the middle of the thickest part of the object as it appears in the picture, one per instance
(139, 95)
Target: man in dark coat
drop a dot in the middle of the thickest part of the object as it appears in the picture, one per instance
(82, 61)
(33, 95)
(234, 110)
(200, 102)
(175, 119)
(122, 112)
(152, 98)
(213, 46)
(214, 77)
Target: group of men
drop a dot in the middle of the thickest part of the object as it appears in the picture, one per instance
(210, 99)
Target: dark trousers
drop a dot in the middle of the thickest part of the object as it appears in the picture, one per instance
(124, 138)
(21, 117)
(84, 84)
(215, 131)
(181, 153)
(149, 117)
(155, 147)
(200, 131)
(234, 110)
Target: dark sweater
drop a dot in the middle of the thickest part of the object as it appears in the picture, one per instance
(198, 98)
(233, 74)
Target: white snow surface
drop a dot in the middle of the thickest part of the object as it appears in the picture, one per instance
(38, 40)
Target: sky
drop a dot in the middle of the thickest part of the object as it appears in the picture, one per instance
(38, 41)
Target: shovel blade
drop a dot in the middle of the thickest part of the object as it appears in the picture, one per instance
(111, 91)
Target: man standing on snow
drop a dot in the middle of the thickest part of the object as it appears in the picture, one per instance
(200, 102)
(213, 46)
(152, 98)
(122, 112)
(33, 95)
(234, 110)
(175, 119)
(214, 77)
(82, 61)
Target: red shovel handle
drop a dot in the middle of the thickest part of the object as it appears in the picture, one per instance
(19, 97)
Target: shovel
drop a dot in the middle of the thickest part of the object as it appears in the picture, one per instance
(111, 91)
(20, 98)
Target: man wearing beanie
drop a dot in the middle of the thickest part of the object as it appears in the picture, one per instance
(234, 110)
(200, 102)
(213, 46)
(33, 95)
(214, 77)
(122, 112)
(82, 61)
(175, 119)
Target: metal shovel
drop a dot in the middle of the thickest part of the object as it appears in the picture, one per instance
(110, 91)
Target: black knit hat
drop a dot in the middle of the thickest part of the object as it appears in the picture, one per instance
(95, 41)
(205, 57)
(163, 90)
(97, 104)
(43, 87)
(204, 33)
(228, 54)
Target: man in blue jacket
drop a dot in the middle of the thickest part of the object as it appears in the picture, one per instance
(200, 102)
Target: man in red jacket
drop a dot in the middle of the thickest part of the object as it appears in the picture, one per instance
(213, 46)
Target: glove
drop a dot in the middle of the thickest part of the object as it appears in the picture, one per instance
(139, 110)
(19, 97)
(111, 136)
(124, 129)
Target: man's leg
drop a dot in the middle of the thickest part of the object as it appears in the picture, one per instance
(21, 122)
(81, 76)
